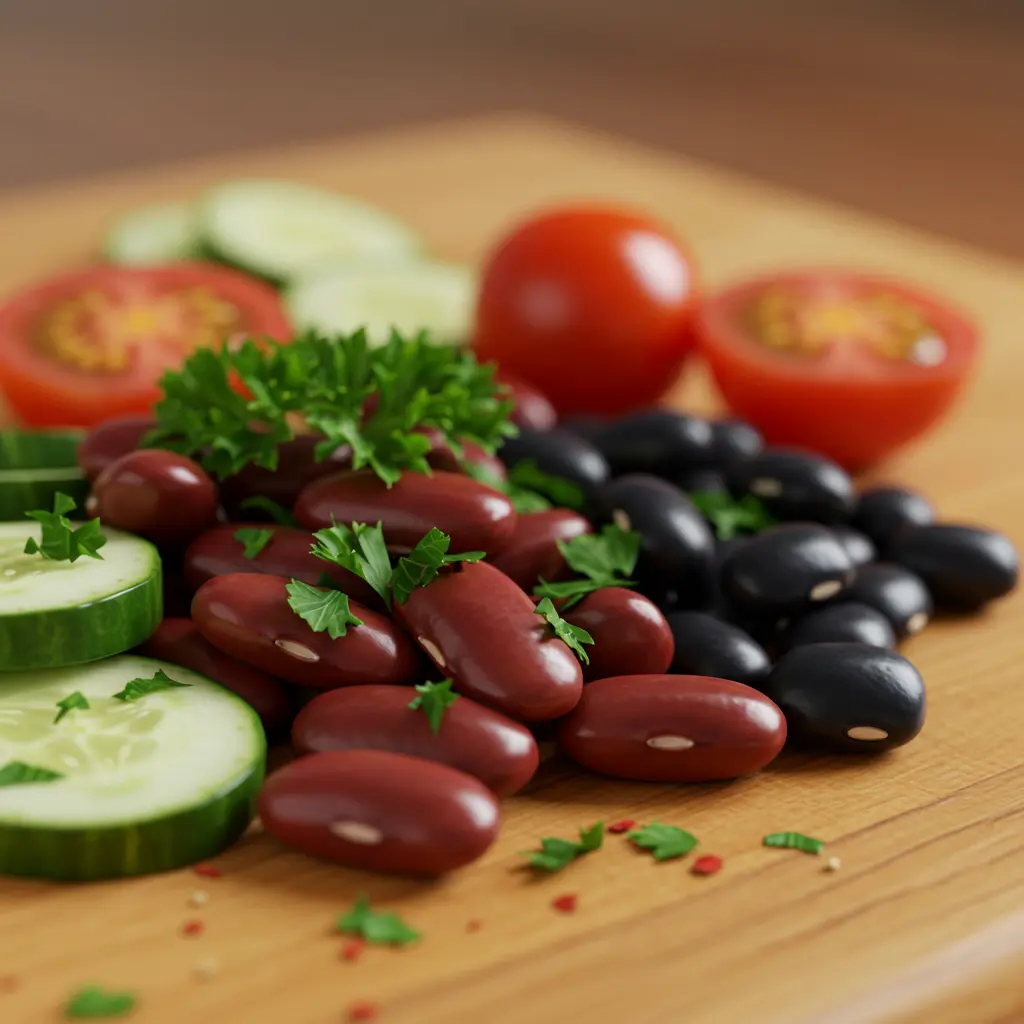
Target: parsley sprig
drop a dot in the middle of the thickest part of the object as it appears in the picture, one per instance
(17, 773)
(434, 699)
(555, 854)
(59, 540)
(324, 611)
(573, 636)
(794, 841)
(375, 927)
(729, 516)
(72, 702)
(666, 842)
(423, 563)
(93, 1003)
(527, 475)
(253, 540)
(605, 559)
(136, 689)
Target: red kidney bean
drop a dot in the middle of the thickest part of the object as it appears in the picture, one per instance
(501, 753)
(532, 408)
(109, 441)
(672, 728)
(532, 553)
(247, 615)
(158, 494)
(180, 642)
(482, 630)
(443, 458)
(217, 552)
(631, 636)
(381, 811)
(476, 517)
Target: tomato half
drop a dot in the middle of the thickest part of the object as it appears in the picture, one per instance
(591, 306)
(851, 365)
(84, 347)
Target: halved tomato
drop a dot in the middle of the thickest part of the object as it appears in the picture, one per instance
(851, 365)
(90, 345)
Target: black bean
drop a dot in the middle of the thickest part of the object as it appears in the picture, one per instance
(785, 570)
(734, 439)
(848, 697)
(884, 512)
(899, 594)
(656, 441)
(964, 567)
(707, 646)
(702, 481)
(558, 453)
(794, 485)
(857, 545)
(587, 427)
(850, 622)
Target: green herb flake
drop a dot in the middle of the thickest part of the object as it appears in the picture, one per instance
(139, 688)
(606, 559)
(95, 1003)
(379, 929)
(573, 636)
(666, 842)
(59, 540)
(730, 517)
(527, 475)
(253, 540)
(555, 854)
(524, 501)
(359, 548)
(17, 773)
(422, 564)
(794, 841)
(72, 702)
(434, 699)
(322, 610)
(276, 511)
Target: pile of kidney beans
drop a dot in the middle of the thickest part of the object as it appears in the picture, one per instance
(722, 650)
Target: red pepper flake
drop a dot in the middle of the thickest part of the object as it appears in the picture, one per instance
(474, 925)
(207, 871)
(191, 929)
(353, 949)
(566, 904)
(362, 1011)
(708, 864)
(618, 827)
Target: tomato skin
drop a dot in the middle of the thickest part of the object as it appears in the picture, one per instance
(591, 305)
(855, 408)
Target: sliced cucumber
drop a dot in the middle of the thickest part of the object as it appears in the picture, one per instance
(163, 233)
(54, 614)
(437, 297)
(275, 228)
(148, 785)
(34, 465)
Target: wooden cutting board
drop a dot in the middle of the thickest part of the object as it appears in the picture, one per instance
(925, 918)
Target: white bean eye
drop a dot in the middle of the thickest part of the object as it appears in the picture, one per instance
(826, 589)
(297, 650)
(867, 732)
(432, 649)
(621, 519)
(917, 622)
(766, 487)
(670, 742)
(356, 832)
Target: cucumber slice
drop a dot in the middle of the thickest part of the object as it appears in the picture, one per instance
(34, 466)
(275, 228)
(54, 614)
(163, 233)
(437, 297)
(148, 785)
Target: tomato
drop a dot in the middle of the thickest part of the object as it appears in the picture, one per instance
(851, 365)
(592, 306)
(91, 345)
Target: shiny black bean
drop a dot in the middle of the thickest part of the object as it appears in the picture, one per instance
(702, 481)
(677, 550)
(899, 594)
(785, 570)
(849, 622)
(656, 441)
(734, 439)
(587, 427)
(848, 697)
(794, 485)
(884, 512)
(964, 567)
(856, 544)
(558, 453)
(708, 646)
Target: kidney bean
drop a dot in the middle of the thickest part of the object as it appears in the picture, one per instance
(532, 553)
(382, 811)
(247, 615)
(849, 622)
(501, 753)
(631, 636)
(672, 728)
(532, 410)
(899, 594)
(883, 513)
(482, 630)
(443, 458)
(558, 453)
(180, 642)
(708, 646)
(109, 441)
(477, 518)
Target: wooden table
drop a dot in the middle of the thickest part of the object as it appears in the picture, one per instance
(925, 919)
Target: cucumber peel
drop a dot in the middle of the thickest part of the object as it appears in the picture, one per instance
(34, 466)
(151, 235)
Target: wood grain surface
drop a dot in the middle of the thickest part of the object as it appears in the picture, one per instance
(925, 919)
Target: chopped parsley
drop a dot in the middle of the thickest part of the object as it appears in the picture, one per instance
(360, 548)
(95, 1003)
(730, 517)
(59, 540)
(379, 929)
(17, 773)
(72, 702)
(422, 564)
(794, 841)
(274, 509)
(253, 540)
(322, 610)
(139, 688)
(666, 842)
(526, 475)
(573, 636)
(555, 854)
(434, 699)
(605, 559)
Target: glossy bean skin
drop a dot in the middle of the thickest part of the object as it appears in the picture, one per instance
(706, 645)
(785, 570)
(532, 553)
(883, 513)
(899, 594)
(734, 439)
(501, 753)
(857, 545)
(443, 458)
(160, 495)
(677, 548)
(533, 410)
(482, 630)
(964, 567)
(247, 616)
(380, 811)
(656, 441)
(673, 729)
(218, 552)
(477, 518)
(848, 697)
(631, 636)
(558, 453)
(587, 427)
(795, 485)
(179, 642)
(109, 441)
(702, 481)
(847, 622)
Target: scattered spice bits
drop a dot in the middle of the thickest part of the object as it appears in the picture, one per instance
(794, 841)
(666, 842)
(565, 904)
(199, 898)
(833, 864)
(363, 1011)
(94, 1003)
(379, 929)
(207, 969)
(555, 854)
(708, 864)
(474, 925)
(207, 871)
(193, 929)
(353, 950)
(616, 828)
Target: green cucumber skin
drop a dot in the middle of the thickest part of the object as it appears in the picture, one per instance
(22, 451)
(21, 496)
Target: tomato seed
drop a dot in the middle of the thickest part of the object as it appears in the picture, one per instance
(362, 1011)
(566, 904)
(709, 864)
(618, 827)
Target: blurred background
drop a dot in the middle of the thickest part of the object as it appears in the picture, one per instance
(910, 108)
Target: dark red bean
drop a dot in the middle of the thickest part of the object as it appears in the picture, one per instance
(532, 410)
(673, 728)
(482, 630)
(109, 441)
(160, 495)
(180, 642)
(381, 811)
(532, 553)
(631, 636)
(492, 748)
(441, 456)
(476, 517)
(247, 615)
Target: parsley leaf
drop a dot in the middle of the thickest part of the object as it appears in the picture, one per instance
(360, 549)
(93, 1002)
(524, 501)
(72, 702)
(16, 773)
(434, 699)
(377, 928)
(527, 475)
(555, 854)
(794, 841)
(274, 509)
(666, 842)
(421, 565)
(59, 540)
(606, 559)
(574, 636)
(321, 610)
(253, 540)
(139, 688)
(729, 517)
